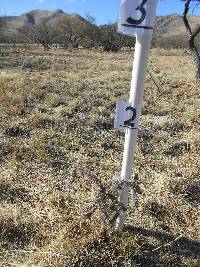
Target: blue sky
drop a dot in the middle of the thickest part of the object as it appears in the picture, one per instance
(103, 10)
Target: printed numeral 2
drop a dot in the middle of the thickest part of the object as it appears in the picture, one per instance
(130, 122)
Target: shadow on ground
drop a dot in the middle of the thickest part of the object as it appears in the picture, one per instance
(172, 251)
(13, 195)
(178, 247)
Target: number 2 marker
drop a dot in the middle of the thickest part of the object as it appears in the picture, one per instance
(136, 18)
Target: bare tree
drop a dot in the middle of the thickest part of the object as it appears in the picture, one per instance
(110, 38)
(42, 33)
(71, 31)
(92, 33)
(192, 34)
(2, 28)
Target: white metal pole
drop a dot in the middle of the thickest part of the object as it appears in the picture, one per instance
(142, 49)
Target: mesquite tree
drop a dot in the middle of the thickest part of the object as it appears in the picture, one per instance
(192, 33)
(71, 31)
(42, 33)
(2, 28)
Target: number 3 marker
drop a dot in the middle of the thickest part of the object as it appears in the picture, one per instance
(143, 13)
(137, 17)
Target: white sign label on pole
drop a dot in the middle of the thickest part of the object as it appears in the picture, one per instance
(126, 116)
(137, 17)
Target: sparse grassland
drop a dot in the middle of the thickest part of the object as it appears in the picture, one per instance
(56, 116)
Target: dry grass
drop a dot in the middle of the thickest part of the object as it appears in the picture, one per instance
(57, 113)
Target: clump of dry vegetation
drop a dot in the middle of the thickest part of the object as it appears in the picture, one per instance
(56, 118)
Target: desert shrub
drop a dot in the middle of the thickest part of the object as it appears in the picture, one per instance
(39, 63)
(168, 42)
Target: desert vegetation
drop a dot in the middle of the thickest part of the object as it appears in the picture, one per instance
(57, 29)
(60, 30)
(60, 78)
(58, 149)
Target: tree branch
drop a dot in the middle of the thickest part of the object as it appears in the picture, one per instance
(192, 36)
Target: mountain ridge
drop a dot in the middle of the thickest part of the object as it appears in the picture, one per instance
(168, 25)
(34, 17)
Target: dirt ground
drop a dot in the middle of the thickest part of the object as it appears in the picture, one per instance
(57, 141)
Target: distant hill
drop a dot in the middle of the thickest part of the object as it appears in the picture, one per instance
(34, 17)
(173, 24)
(165, 25)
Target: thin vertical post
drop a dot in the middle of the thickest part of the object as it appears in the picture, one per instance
(142, 49)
